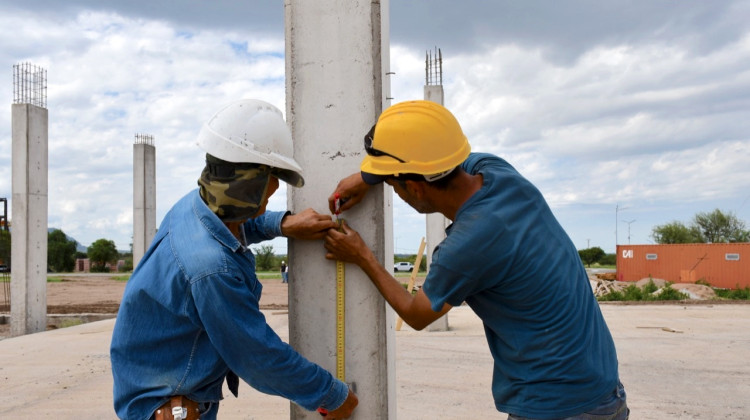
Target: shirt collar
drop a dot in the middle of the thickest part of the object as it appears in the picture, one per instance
(213, 224)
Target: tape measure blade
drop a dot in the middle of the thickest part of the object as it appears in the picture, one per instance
(340, 321)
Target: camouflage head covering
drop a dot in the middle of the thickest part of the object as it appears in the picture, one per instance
(234, 191)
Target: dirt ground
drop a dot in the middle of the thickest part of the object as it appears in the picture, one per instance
(89, 293)
(678, 360)
(94, 293)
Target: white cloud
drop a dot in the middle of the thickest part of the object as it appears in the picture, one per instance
(646, 107)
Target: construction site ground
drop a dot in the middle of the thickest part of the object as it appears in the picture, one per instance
(685, 360)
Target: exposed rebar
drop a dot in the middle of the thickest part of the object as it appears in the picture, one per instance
(29, 85)
(433, 67)
(144, 139)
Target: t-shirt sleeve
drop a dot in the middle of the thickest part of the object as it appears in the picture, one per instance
(451, 279)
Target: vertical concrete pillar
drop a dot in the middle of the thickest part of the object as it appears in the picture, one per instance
(336, 57)
(29, 237)
(436, 222)
(144, 195)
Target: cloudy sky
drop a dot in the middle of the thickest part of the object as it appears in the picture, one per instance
(625, 114)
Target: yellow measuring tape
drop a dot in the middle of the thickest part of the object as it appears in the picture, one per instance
(340, 305)
(340, 321)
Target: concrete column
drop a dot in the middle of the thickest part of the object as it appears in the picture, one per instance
(336, 57)
(436, 222)
(29, 236)
(144, 196)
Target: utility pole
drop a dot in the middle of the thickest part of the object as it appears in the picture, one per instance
(628, 222)
(617, 210)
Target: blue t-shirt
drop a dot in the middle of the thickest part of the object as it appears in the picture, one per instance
(509, 259)
(190, 314)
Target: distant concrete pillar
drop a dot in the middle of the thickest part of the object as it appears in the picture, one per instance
(435, 222)
(144, 195)
(30, 121)
(336, 57)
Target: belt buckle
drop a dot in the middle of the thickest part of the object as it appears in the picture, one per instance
(179, 413)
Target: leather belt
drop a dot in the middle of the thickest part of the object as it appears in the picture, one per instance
(178, 408)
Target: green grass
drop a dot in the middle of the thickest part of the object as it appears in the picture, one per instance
(120, 278)
(54, 279)
(70, 323)
(268, 275)
(608, 266)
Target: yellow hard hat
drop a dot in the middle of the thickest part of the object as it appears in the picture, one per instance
(414, 137)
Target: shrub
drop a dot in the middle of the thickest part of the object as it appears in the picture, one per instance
(614, 296)
(650, 287)
(739, 294)
(632, 292)
(703, 282)
(668, 293)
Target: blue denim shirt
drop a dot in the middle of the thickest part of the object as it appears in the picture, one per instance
(190, 314)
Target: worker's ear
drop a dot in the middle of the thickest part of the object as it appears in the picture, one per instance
(416, 188)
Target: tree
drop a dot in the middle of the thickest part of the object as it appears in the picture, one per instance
(717, 227)
(591, 255)
(264, 258)
(101, 252)
(675, 233)
(61, 251)
(713, 227)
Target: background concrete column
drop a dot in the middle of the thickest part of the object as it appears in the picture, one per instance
(144, 195)
(29, 208)
(336, 57)
(436, 222)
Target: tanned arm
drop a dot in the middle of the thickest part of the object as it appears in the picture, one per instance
(348, 246)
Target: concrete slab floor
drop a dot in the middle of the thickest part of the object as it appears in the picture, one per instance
(675, 361)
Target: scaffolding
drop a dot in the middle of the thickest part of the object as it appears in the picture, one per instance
(433, 67)
(144, 139)
(29, 85)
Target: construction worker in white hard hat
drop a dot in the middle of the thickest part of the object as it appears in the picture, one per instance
(505, 255)
(189, 319)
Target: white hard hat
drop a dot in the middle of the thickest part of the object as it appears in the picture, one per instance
(252, 131)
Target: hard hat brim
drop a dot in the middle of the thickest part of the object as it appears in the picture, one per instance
(372, 179)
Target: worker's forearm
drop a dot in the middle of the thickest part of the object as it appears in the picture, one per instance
(393, 291)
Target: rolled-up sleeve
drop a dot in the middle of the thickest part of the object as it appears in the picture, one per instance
(264, 227)
(252, 350)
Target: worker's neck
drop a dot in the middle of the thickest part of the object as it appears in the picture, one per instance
(449, 201)
(235, 228)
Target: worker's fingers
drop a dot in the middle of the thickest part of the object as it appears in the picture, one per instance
(350, 190)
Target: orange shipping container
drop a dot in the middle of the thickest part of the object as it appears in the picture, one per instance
(721, 265)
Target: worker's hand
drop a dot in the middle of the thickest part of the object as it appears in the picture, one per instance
(345, 411)
(351, 190)
(346, 245)
(308, 224)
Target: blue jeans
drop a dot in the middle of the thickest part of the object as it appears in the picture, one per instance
(615, 407)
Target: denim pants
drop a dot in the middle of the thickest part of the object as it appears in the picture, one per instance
(615, 407)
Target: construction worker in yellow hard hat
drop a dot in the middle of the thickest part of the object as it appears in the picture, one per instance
(505, 255)
(189, 319)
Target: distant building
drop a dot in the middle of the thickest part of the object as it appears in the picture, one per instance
(83, 265)
(721, 265)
